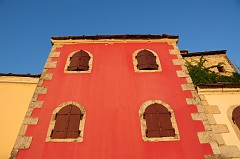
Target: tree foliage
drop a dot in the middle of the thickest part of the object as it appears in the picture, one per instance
(201, 74)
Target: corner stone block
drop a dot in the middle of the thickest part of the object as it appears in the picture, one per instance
(30, 121)
(13, 153)
(229, 151)
(174, 52)
(205, 137)
(186, 87)
(200, 108)
(211, 119)
(182, 74)
(41, 90)
(190, 101)
(204, 103)
(212, 109)
(178, 61)
(22, 130)
(44, 71)
(37, 104)
(216, 156)
(206, 125)
(220, 128)
(23, 142)
(219, 139)
(29, 112)
(40, 82)
(215, 148)
(202, 97)
(46, 76)
(189, 80)
(34, 98)
(199, 116)
(54, 54)
(50, 64)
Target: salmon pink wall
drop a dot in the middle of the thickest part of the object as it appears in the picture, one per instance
(112, 95)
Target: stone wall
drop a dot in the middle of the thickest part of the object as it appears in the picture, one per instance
(214, 60)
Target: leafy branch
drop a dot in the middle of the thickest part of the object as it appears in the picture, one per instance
(201, 74)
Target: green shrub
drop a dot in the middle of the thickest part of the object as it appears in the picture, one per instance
(203, 75)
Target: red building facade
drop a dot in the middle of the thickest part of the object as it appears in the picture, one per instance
(112, 98)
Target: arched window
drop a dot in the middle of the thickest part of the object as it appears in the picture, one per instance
(236, 116)
(146, 60)
(67, 123)
(158, 120)
(79, 61)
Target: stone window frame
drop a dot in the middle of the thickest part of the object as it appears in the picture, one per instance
(229, 114)
(144, 125)
(90, 63)
(135, 62)
(53, 120)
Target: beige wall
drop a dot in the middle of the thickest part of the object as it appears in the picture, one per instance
(220, 102)
(15, 95)
(214, 60)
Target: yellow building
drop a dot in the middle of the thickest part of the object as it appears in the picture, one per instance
(219, 101)
(15, 94)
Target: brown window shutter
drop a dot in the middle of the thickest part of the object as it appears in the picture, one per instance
(74, 62)
(79, 61)
(84, 60)
(158, 121)
(73, 127)
(67, 123)
(152, 121)
(61, 125)
(146, 60)
(167, 133)
(75, 110)
(161, 109)
(142, 60)
(65, 110)
(236, 116)
(152, 62)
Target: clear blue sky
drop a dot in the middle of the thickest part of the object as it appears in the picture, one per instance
(27, 25)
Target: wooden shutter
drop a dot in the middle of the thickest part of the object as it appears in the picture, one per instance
(158, 120)
(146, 60)
(236, 116)
(74, 62)
(67, 123)
(74, 121)
(84, 60)
(79, 61)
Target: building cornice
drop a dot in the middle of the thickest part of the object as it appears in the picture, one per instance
(113, 38)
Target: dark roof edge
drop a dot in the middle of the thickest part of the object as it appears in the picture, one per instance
(204, 53)
(124, 36)
(220, 85)
(21, 75)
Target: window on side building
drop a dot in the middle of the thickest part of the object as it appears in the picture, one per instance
(236, 116)
(221, 69)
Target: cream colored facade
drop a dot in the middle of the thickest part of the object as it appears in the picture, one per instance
(219, 104)
(15, 95)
